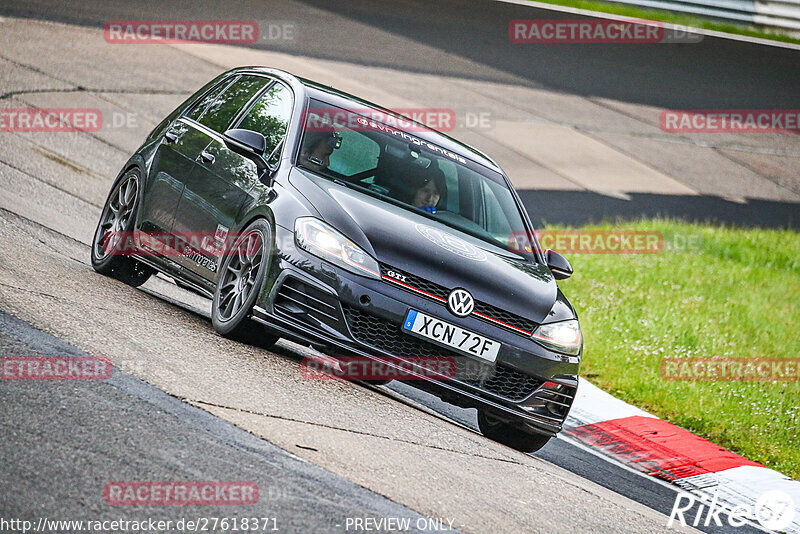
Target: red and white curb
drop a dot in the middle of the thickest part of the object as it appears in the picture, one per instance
(662, 450)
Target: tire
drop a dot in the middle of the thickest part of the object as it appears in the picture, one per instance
(119, 215)
(241, 277)
(510, 435)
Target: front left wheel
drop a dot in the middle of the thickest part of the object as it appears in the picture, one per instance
(508, 434)
(241, 277)
(114, 233)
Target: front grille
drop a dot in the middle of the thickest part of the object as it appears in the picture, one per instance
(441, 293)
(505, 317)
(418, 282)
(388, 337)
(306, 301)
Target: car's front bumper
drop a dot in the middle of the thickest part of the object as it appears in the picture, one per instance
(313, 302)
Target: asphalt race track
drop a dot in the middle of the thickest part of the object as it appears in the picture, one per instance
(604, 91)
(186, 404)
(715, 73)
(80, 432)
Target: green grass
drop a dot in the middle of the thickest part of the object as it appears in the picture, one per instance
(736, 295)
(672, 17)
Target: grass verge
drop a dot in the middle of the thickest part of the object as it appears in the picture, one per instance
(735, 294)
(672, 17)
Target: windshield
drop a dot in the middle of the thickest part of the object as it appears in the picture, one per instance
(368, 151)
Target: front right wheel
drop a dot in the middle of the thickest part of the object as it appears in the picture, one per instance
(508, 434)
(241, 277)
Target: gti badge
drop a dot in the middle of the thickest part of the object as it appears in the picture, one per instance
(397, 276)
(460, 302)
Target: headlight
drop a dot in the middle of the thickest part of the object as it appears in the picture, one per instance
(322, 240)
(561, 337)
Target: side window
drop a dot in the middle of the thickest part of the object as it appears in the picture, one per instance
(222, 111)
(357, 153)
(270, 116)
(199, 108)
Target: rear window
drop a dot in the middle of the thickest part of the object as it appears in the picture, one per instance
(200, 107)
(219, 108)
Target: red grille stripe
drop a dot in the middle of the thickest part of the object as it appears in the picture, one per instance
(412, 288)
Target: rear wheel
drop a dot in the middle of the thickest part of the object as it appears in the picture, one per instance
(241, 278)
(508, 434)
(109, 248)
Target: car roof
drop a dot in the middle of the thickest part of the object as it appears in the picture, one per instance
(339, 98)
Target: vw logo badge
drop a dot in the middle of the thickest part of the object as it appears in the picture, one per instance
(460, 302)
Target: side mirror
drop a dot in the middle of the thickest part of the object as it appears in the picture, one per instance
(558, 264)
(251, 145)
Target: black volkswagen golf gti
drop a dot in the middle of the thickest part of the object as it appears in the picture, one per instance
(348, 228)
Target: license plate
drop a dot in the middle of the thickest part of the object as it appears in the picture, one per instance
(451, 335)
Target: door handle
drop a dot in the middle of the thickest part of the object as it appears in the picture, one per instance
(171, 137)
(208, 158)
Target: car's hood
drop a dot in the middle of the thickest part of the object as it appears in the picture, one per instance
(418, 245)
